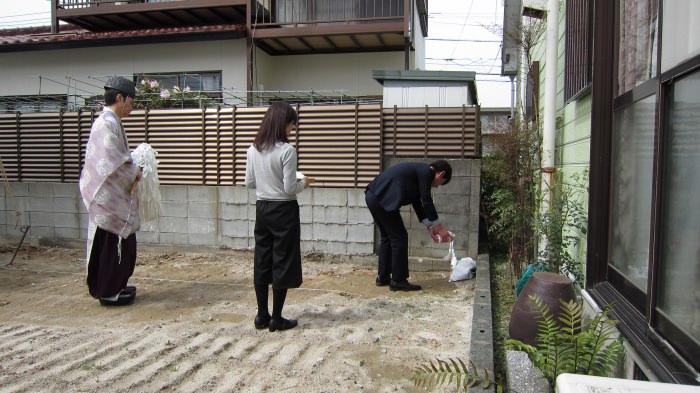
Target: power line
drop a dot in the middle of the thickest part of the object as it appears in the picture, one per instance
(463, 25)
(17, 15)
(462, 40)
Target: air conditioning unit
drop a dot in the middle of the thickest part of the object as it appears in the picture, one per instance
(574, 383)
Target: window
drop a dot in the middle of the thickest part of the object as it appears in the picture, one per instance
(201, 88)
(381, 8)
(638, 43)
(632, 169)
(644, 226)
(197, 81)
(577, 74)
(681, 30)
(532, 93)
(678, 299)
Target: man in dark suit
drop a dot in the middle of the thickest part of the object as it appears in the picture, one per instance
(400, 185)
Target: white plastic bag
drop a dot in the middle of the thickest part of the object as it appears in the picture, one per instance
(464, 269)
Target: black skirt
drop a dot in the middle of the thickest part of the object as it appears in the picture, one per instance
(277, 244)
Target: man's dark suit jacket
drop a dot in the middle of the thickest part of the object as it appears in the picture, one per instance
(406, 183)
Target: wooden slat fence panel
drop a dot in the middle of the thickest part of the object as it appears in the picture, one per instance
(42, 147)
(177, 135)
(339, 145)
(431, 132)
(246, 123)
(9, 152)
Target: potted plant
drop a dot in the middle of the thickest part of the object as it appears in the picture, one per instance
(569, 345)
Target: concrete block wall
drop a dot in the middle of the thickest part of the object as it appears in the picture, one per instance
(334, 221)
(457, 204)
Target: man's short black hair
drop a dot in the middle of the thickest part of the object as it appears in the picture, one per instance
(443, 166)
(111, 96)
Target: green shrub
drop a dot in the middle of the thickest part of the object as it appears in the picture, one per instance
(570, 345)
(453, 371)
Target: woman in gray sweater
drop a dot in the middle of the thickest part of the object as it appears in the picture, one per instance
(271, 169)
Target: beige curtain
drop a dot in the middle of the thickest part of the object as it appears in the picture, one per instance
(638, 43)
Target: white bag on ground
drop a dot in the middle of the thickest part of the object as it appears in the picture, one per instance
(463, 269)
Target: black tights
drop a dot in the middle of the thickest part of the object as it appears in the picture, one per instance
(278, 297)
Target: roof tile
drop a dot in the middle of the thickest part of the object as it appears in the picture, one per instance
(42, 34)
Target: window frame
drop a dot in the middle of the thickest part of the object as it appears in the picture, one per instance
(216, 95)
(642, 327)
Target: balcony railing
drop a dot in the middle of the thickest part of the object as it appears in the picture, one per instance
(71, 4)
(299, 13)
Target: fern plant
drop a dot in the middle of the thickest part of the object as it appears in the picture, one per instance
(568, 345)
(454, 371)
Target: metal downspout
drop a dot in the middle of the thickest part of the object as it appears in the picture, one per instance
(550, 87)
(549, 110)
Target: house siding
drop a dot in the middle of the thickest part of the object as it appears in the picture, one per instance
(351, 72)
(21, 70)
(79, 68)
(573, 125)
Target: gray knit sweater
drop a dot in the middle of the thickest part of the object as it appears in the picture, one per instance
(273, 173)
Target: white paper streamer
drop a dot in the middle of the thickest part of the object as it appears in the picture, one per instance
(148, 190)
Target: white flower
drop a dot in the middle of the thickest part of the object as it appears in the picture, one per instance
(165, 93)
(154, 83)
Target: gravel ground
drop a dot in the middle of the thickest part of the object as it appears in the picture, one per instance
(191, 327)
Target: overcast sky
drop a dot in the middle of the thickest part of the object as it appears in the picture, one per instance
(463, 35)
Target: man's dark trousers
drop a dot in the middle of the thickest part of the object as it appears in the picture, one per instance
(393, 248)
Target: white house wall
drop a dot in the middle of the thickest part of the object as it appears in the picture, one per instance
(397, 93)
(418, 58)
(351, 72)
(21, 70)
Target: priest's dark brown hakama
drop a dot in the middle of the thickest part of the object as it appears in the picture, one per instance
(106, 275)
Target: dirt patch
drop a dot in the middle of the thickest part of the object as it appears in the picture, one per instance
(191, 327)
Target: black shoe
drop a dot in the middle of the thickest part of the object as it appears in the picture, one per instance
(262, 322)
(129, 289)
(382, 281)
(124, 299)
(283, 324)
(403, 285)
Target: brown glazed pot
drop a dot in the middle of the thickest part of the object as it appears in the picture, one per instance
(551, 288)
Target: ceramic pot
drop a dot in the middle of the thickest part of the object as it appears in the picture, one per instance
(551, 288)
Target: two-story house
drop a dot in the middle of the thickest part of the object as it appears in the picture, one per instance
(237, 51)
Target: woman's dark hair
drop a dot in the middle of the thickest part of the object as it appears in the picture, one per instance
(273, 128)
(440, 166)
